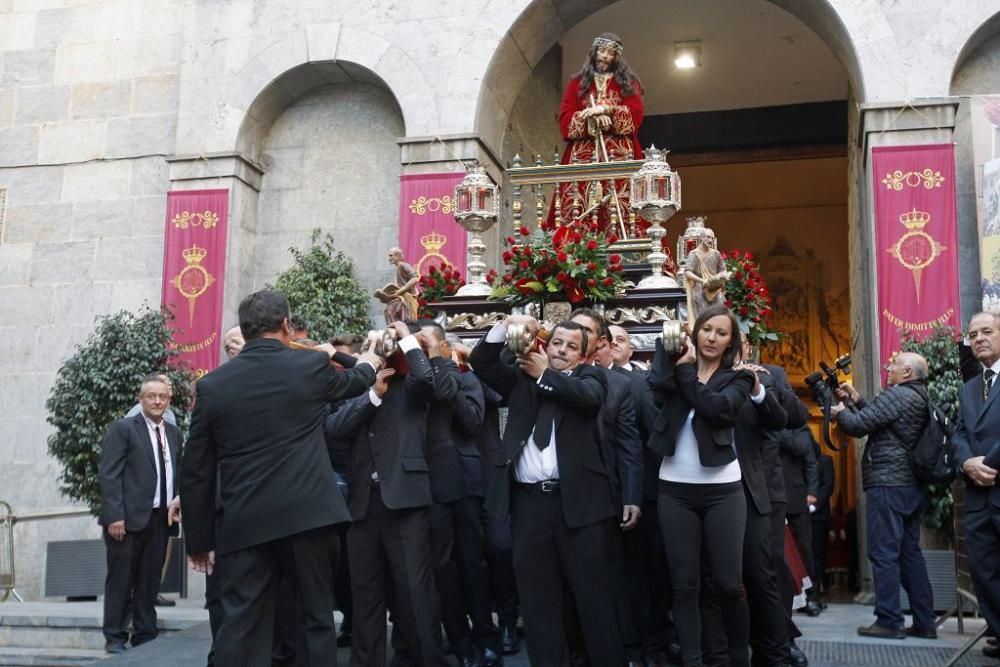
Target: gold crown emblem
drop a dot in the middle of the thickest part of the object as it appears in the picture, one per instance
(433, 241)
(194, 254)
(915, 219)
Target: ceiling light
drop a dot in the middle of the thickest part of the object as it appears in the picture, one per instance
(687, 55)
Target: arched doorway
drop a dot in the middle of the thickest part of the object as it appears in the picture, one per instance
(324, 135)
(760, 136)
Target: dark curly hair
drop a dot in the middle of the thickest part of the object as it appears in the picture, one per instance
(627, 79)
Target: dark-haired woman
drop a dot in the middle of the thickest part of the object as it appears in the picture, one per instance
(702, 508)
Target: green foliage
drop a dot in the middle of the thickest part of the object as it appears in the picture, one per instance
(99, 384)
(321, 288)
(944, 383)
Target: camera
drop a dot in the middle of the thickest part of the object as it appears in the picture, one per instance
(823, 383)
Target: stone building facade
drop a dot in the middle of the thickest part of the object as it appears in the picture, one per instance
(308, 111)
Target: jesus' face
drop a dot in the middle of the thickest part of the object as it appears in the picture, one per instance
(604, 59)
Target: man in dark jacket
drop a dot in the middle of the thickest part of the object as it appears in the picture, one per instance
(821, 516)
(895, 499)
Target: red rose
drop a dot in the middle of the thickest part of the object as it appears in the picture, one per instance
(578, 261)
(575, 294)
(617, 268)
(523, 264)
(562, 276)
(738, 275)
(524, 231)
(615, 259)
(527, 251)
(450, 289)
(591, 266)
(490, 277)
(507, 256)
(510, 240)
(729, 304)
(562, 257)
(612, 238)
(744, 310)
(432, 283)
(432, 270)
(591, 244)
(544, 253)
(591, 282)
(507, 278)
(553, 263)
(609, 281)
(421, 301)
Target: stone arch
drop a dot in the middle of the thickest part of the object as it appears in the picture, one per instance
(299, 62)
(988, 29)
(543, 22)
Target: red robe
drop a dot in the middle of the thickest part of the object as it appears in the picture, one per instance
(621, 141)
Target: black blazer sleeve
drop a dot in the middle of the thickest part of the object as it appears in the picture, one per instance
(487, 365)
(198, 479)
(470, 407)
(446, 382)
(114, 452)
(629, 454)
(348, 417)
(420, 379)
(346, 383)
(718, 407)
(583, 391)
(770, 413)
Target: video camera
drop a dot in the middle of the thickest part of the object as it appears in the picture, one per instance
(823, 383)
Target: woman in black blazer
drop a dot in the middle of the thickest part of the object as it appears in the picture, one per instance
(702, 508)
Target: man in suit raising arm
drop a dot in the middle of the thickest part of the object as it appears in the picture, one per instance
(265, 445)
(138, 477)
(976, 444)
(552, 479)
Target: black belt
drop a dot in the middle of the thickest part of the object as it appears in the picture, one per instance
(548, 486)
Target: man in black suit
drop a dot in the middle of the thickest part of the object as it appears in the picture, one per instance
(553, 480)
(138, 478)
(821, 516)
(798, 464)
(264, 446)
(976, 444)
(389, 543)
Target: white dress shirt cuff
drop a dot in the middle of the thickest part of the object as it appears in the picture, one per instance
(498, 334)
(409, 343)
(759, 398)
(374, 398)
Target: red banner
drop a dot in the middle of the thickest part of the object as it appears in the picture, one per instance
(428, 233)
(916, 241)
(194, 263)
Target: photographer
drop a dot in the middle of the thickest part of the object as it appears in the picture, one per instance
(895, 500)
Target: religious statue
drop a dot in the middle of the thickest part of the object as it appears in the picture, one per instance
(400, 297)
(706, 275)
(599, 118)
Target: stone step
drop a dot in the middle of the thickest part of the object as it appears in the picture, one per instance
(14, 656)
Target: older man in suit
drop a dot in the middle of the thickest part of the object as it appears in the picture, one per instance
(264, 447)
(553, 480)
(138, 478)
(976, 443)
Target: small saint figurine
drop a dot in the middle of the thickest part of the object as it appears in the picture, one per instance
(706, 275)
(400, 297)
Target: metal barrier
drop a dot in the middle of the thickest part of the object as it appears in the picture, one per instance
(7, 553)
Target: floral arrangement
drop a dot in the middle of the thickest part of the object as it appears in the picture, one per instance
(748, 298)
(570, 262)
(436, 284)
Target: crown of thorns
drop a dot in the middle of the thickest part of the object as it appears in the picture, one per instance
(605, 43)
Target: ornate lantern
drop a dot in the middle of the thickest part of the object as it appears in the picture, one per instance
(687, 241)
(476, 209)
(656, 196)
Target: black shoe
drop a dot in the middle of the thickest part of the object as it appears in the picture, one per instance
(674, 654)
(799, 658)
(115, 647)
(164, 602)
(880, 632)
(992, 641)
(812, 609)
(991, 651)
(491, 658)
(469, 660)
(509, 643)
(922, 633)
(655, 659)
(343, 638)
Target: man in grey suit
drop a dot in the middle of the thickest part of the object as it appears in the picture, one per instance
(138, 478)
(976, 443)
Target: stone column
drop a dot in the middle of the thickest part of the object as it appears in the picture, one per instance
(243, 179)
(928, 121)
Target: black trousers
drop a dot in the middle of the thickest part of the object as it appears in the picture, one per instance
(801, 526)
(648, 591)
(785, 584)
(548, 557)
(250, 582)
(500, 563)
(709, 518)
(446, 577)
(982, 535)
(393, 545)
(819, 528)
(133, 580)
(768, 628)
(470, 556)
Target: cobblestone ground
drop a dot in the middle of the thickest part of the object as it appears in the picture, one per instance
(829, 640)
